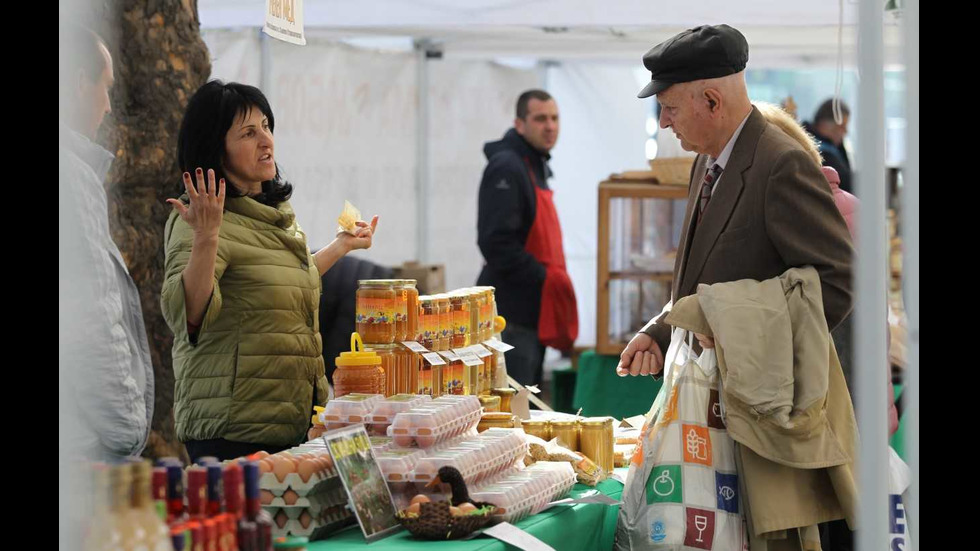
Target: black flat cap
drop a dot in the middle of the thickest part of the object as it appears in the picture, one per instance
(708, 51)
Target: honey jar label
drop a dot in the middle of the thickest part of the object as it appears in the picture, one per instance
(429, 326)
(445, 325)
(375, 310)
(415, 347)
(461, 323)
(400, 309)
(498, 345)
(434, 358)
(486, 317)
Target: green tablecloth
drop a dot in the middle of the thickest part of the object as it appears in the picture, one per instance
(897, 441)
(599, 391)
(585, 527)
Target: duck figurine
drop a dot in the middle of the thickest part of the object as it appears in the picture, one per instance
(452, 477)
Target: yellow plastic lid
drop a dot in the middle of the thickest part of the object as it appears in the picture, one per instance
(499, 324)
(357, 355)
(316, 415)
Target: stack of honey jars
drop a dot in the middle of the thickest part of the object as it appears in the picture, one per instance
(387, 314)
(391, 316)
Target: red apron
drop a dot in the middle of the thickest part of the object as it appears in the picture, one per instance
(558, 320)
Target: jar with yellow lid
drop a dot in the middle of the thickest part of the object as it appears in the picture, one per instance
(358, 370)
(375, 311)
(596, 441)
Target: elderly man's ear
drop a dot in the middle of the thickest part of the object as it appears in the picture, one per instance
(714, 100)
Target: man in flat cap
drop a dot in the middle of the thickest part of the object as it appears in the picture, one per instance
(758, 205)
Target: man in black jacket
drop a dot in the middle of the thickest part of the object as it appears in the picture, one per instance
(515, 178)
(830, 140)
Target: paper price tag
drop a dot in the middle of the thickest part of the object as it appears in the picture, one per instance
(434, 359)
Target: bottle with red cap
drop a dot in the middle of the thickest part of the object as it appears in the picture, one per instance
(253, 507)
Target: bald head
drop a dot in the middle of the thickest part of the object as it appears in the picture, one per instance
(85, 78)
(704, 114)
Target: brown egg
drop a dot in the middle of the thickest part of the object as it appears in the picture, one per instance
(466, 508)
(454, 511)
(282, 467)
(290, 497)
(420, 499)
(415, 508)
(262, 454)
(266, 497)
(305, 519)
(265, 466)
(306, 469)
(281, 519)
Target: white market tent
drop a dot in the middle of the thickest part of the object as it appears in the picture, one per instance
(364, 114)
(586, 53)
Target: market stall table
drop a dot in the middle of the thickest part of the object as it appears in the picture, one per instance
(586, 527)
(600, 391)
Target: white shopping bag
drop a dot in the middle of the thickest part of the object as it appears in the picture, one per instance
(682, 489)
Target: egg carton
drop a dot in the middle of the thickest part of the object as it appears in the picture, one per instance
(502, 451)
(385, 411)
(310, 500)
(349, 409)
(314, 505)
(539, 486)
(427, 467)
(317, 529)
(397, 465)
(508, 447)
(513, 503)
(433, 435)
(292, 481)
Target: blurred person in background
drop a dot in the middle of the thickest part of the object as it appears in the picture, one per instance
(105, 375)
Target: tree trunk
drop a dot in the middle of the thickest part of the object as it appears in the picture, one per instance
(159, 61)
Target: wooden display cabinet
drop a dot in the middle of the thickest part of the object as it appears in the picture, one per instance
(639, 230)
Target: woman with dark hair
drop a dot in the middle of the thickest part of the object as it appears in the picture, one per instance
(241, 290)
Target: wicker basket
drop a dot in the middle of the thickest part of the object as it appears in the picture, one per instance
(674, 171)
(436, 523)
